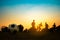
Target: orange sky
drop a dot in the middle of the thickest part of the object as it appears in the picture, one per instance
(26, 21)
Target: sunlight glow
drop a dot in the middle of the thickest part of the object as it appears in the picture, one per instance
(25, 14)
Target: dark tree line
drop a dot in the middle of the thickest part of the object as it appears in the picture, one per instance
(21, 28)
(12, 28)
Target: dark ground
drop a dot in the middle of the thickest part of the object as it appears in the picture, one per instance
(30, 36)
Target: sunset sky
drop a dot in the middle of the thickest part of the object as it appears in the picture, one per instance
(24, 11)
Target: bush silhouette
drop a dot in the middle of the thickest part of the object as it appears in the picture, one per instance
(26, 30)
(20, 27)
(12, 27)
(58, 28)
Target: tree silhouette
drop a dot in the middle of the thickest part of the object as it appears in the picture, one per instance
(15, 31)
(13, 27)
(20, 27)
(5, 29)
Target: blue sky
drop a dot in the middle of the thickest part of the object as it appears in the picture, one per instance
(9, 4)
(16, 2)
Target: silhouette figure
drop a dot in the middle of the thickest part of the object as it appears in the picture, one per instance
(46, 26)
(39, 27)
(33, 29)
(20, 27)
(33, 24)
(54, 27)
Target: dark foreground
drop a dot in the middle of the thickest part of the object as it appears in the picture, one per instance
(30, 36)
